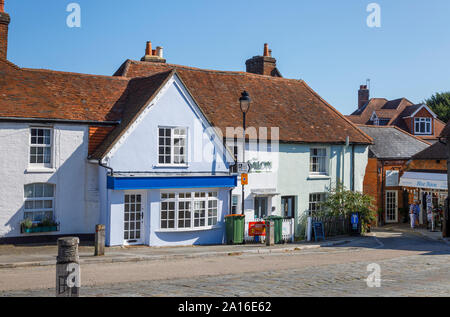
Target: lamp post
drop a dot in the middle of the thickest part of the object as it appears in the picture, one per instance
(245, 106)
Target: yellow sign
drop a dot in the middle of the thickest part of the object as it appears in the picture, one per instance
(244, 179)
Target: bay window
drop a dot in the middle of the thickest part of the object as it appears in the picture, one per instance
(189, 210)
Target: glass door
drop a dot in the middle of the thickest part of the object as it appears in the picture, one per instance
(391, 206)
(261, 204)
(133, 218)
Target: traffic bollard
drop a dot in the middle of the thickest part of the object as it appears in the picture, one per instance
(68, 279)
(99, 240)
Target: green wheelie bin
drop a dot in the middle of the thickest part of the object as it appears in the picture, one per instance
(235, 229)
(278, 222)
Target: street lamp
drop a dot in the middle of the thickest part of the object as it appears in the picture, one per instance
(245, 106)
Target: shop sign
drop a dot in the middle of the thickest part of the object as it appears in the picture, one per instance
(257, 229)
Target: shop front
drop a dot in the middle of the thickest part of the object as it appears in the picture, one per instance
(428, 188)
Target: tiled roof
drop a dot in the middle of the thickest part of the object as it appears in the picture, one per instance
(446, 131)
(300, 113)
(44, 94)
(388, 109)
(391, 142)
(437, 151)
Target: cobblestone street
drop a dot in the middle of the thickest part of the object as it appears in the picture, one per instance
(410, 266)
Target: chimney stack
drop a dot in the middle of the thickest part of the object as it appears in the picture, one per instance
(151, 55)
(363, 96)
(4, 25)
(263, 65)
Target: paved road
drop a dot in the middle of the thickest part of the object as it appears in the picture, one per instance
(410, 266)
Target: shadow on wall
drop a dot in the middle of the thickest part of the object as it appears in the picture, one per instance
(202, 237)
(70, 189)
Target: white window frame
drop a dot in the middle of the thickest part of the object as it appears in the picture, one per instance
(327, 160)
(426, 121)
(172, 146)
(208, 197)
(36, 145)
(43, 199)
(323, 197)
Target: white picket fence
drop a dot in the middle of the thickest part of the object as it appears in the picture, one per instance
(288, 231)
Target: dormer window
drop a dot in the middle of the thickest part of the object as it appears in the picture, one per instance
(422, 125)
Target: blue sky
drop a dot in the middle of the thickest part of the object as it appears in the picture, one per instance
(327, 43)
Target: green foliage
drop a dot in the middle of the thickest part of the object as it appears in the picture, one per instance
(440, 104)
(48, 222)
(27, 223)
(342, 202)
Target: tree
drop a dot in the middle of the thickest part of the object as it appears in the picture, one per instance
(342, 202)
(440, 104)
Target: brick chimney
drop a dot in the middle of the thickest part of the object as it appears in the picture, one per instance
(363, 96)
(263, 65)
(4, 23)
(151, 55)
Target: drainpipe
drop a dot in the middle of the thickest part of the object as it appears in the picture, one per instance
(353, 168)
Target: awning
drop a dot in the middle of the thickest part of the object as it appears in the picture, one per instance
(424, 180)
(129, 183)
(264, 192)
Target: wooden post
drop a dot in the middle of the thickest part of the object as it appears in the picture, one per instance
(68, 268)
(99, 240)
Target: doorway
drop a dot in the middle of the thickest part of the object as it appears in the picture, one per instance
(261, 205)
(288, 206)
(391, 215)
(133, 218)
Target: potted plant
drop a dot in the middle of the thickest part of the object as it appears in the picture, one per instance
(26, 226)
(46, 225)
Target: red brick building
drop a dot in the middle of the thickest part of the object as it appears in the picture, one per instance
(416, 119)
(392, 148)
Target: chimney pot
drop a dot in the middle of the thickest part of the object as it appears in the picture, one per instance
(4, 26)
(159, 51)
(148, 48)
(266, 50)
(2, 5)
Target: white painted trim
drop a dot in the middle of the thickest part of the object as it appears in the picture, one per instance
(396, 206)
(426, 107)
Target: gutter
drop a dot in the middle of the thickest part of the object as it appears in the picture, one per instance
(44, 120)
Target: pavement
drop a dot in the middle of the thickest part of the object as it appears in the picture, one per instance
(16, 256)
(432, 235)
(410, 265)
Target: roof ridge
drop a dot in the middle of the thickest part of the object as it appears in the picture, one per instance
(223, 72)
(42, 70)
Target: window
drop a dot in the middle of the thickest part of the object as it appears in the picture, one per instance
(189, 210)
(235, 204)
(315, 200)
(172, 146)
(318, 161)
(39, 202)
(41, 146)
(422, 125)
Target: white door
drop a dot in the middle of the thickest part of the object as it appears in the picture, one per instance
(133, 218)
(391, 206)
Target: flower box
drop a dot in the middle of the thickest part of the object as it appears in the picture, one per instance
(40, 229)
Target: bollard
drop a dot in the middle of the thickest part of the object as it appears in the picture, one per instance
(99, 240)
(270, 233)
(68, 268)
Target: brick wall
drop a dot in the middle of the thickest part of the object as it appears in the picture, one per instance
(437, 165)
(4, 22)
